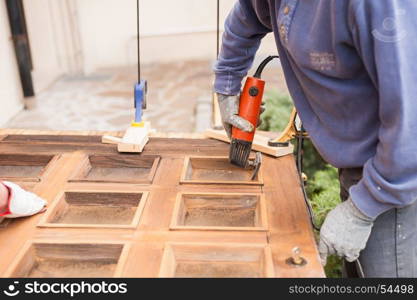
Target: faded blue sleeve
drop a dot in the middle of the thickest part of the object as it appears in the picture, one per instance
(384, 34)
(244, 30)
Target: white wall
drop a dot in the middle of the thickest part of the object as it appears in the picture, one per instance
(72, 36)
(10, 88)
(53, 39)
(46, 66)
(170, 30)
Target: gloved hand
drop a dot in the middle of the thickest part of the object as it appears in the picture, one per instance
(229, 110)
(345, 232)
(21, 203)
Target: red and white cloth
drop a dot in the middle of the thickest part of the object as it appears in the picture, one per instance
(21, 203)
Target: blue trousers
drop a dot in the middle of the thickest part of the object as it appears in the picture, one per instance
(391, 250)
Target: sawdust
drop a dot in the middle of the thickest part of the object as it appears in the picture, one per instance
(220, 216)
(221, 174)
(218, 269)
(54, 268)
(20, 171)
(4, 222)
(119, 174)
(94, 214)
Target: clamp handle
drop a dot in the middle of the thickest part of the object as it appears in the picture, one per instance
(290, 132)
(141, 90)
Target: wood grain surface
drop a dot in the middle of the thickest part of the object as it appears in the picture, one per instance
(150, 247)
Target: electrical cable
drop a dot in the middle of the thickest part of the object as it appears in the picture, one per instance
(300, 136)
(263, 64)
(218, 30)
(138, 32)
(299, 156)
(300, 147)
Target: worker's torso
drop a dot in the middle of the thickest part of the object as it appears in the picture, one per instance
(332, 90)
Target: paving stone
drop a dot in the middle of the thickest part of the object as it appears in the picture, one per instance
(104, 100)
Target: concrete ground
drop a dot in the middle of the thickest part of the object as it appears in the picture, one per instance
(179, 99)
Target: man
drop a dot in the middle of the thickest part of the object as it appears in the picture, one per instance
(350, 68)
(15, 202)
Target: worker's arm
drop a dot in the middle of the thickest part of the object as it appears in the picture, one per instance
(16, 202)
(384, 36)
(384, 32)
(244, 30)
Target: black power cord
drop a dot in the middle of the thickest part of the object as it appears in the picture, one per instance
(300, 137)
(138, 29)
(263, 64)
(218, 30)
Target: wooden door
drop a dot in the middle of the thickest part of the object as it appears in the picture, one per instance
(177, 210)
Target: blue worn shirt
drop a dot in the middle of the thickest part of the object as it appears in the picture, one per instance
(351, 69)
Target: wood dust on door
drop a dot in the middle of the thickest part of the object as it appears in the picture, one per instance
(177, 210)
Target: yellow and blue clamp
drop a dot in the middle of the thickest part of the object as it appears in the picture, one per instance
(141, 90)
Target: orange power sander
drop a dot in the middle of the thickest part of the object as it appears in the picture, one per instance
(249, 109)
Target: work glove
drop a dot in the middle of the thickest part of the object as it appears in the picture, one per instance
(22, 203)
(229, 110)
(345, 232)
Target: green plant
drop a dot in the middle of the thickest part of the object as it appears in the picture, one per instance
(323, 191)
(323, 183)
(278, 110)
